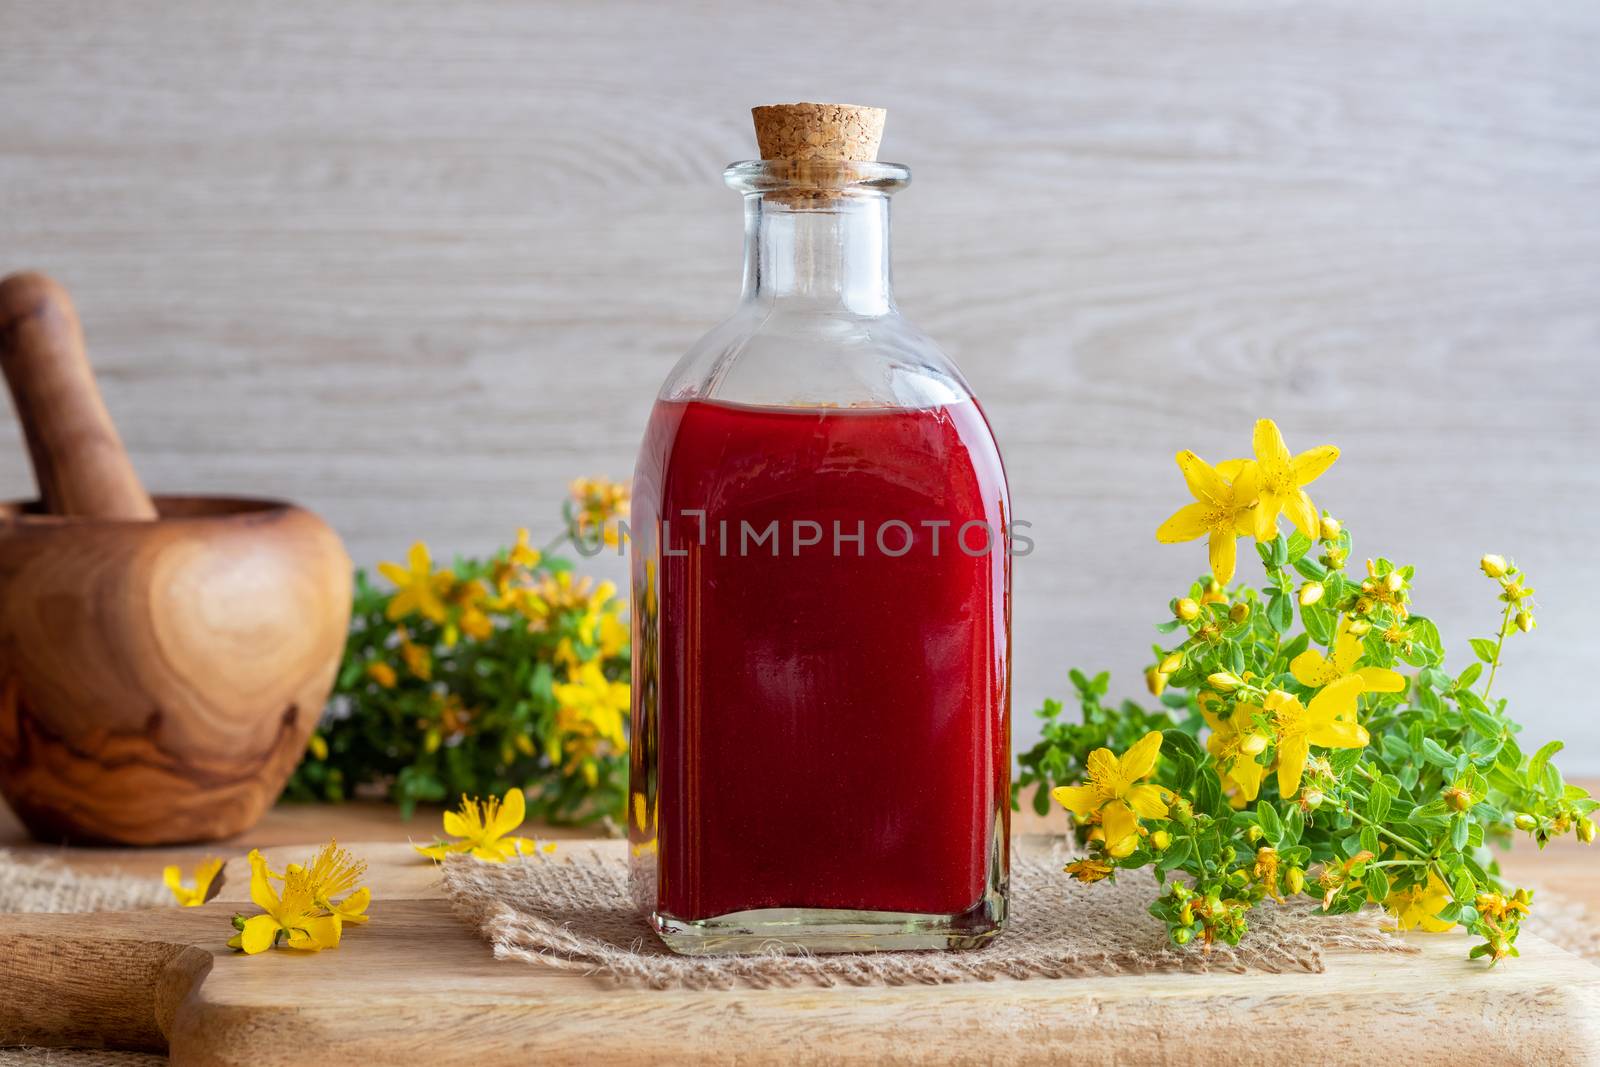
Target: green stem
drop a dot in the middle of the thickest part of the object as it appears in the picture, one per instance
(1500, 642)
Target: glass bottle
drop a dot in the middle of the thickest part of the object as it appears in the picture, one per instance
(821, 594)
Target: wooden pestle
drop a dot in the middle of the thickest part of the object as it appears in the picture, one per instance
(78, 458)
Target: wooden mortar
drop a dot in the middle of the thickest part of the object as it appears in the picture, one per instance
(162, 662)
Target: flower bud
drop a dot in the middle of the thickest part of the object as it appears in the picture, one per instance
(1525, 822)
(1183, 935)
(1252, 744)
(1186, 609)
(1359, 627)
(1525, 620)
(1329, 528)
(1457, 799)
(1586, 830)
(430, 742)
(1159, 840)
(317, 746)
(1239, 612)
(1312, 799)
(1493, 566)
(1294, 880)
(1155, 681)
(1393, 581)
(1224, 681)
(1172, 663)
(1310, 593)
(1254, 833)
(1334, 558)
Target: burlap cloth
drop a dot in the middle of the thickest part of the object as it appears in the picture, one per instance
(573, 910)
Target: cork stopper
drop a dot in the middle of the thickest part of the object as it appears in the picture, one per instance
(819, 132)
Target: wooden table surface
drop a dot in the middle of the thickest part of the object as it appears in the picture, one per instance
(1567, 868)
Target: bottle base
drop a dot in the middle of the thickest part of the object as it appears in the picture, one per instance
(817, 930)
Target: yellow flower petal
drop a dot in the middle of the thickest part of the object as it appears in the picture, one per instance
(1292, 754)
(258, 934)
(396, 574)
(1302, 513)
(1267, 508)
(1247, 774)
(1140, 759)
(1337, 700)
(1078, 799)
(1382, 680)
(1185, 524)
(419, 559)
(261, 892)
(1230, 468)
(1204, 482)
(463, 823)
(1269, 447)
(1346, 650)
(1310, 668)
(1224, 555)
(513, 809)
(1148, 801)
(1308, 466)
(1120, 824)
(1339, 734)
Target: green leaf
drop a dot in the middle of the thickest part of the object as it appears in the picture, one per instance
(1176, 854)
(1483, 648)
(1378, 801)
(1458, 832)
(1280, 612)
(1318, 622)
(1435, 753)
(1465, 679)
(1376, 883)
(1271, 825)
(1542, 757)
(1483, 723)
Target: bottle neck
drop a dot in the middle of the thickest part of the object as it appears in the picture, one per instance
(827, 257)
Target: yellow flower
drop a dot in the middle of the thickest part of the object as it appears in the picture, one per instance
(206, 884)
(419, 661)
(1420, 905)
(1235, 753)
(1311, 668)
(1087, 870)
(597, 502)
(1329, 722)
(1221, 509)
(1265, 871)
(334, 872)
(1279, 477)
(383, 674)
(417, 587)
(483, 829)
(291, 917)
(1116, 793)
(591, 704)
(613, 637)
(522, 553)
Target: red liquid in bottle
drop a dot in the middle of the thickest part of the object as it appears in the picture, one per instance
(831, 721)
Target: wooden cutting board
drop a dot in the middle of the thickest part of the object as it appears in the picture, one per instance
(414, 985)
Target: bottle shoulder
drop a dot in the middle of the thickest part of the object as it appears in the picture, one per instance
(774, 356)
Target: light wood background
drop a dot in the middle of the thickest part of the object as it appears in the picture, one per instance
(417, 264)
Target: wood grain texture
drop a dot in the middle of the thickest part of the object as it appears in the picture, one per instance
(416, 264)
(158, 680)
(78, 459)
(416, 986)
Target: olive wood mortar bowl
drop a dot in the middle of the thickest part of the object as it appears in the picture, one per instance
(159, 680)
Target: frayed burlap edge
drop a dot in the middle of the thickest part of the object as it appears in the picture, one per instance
(573, 911)
(49, 886)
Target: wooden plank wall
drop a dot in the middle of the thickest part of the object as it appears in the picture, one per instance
(417, 264)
